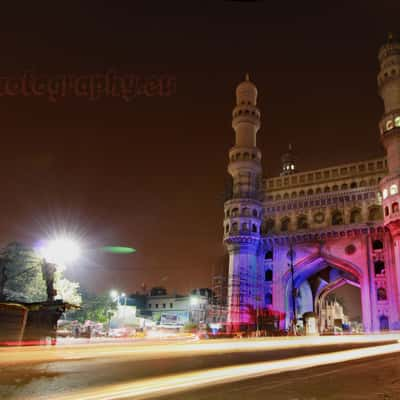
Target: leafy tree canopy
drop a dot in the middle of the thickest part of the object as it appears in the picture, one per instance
(95, 307)
(22, 280)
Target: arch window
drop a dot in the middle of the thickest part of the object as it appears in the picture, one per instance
(363, 183)
(294, 195)
(245, 227)
(345, 186)
(353, 185)
(269, 255)
(278, 197)
(246, 156)
(286, 196)
(372, 182)
(335, 188)
(379, 267)
(397, 122)
(302, 222)
(227, 228)
(327, 189)
(318, 191)
(374, 214)
(235, 212)
(394, 189)
(254, 213)
(285, 224)
(268, 299)
(310, 192)
(389, 124)
(377, 245)
(254, 228)
(269, 225)
(384, 193)
(337, 218)
(235, 227)
(355, 216)
(381, 294)
(386, 211)
(301, 193)
(268, 275)
(395, 207)
(245, 211)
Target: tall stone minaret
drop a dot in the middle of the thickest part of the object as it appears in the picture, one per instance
(243, 211)
(389, 90)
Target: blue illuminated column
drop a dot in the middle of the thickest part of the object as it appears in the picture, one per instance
(243, 210)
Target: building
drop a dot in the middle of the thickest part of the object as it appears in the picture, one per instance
(295, 238)
(172, 310)
(331, 313)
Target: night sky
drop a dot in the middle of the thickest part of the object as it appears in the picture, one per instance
(150, 173)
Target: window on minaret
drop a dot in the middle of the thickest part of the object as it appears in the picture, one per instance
(395, 207)
(397, 122)
(268, 275)
(381, 294)
(379, 267)
(393, 189)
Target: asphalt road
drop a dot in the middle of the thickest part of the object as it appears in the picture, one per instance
(150, 370)
(376, 378)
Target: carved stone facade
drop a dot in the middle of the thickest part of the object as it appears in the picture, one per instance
(342, 223)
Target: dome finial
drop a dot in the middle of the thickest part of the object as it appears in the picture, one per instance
(246, 77)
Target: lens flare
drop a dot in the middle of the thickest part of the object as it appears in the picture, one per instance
(118, 249)
(60, 250)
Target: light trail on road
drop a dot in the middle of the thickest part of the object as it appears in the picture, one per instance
(14, 356)
(150, 388)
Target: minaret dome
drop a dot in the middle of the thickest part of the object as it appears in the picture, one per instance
(246, 92)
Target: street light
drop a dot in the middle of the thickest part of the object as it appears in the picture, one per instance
(61, 250)
(194, 300)
(56, 252)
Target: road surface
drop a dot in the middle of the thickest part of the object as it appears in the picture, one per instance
(213, 369)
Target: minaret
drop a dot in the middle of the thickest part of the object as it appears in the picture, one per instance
(288, 163)
(389, 90)
(243, 211)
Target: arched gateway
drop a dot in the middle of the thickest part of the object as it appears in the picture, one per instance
(342, 223)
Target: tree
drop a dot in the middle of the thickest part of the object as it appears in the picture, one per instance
(66, 289)
(21, 277)
(95, 307)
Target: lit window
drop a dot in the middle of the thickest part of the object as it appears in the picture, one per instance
(292, 166)
(397, 122)
(393, 189)
(385, 193)
(389, 124)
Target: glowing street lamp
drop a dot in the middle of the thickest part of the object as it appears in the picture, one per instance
(59, 251)
(194, 300)
(114, 295)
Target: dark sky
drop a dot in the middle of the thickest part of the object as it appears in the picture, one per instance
(150, 173)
